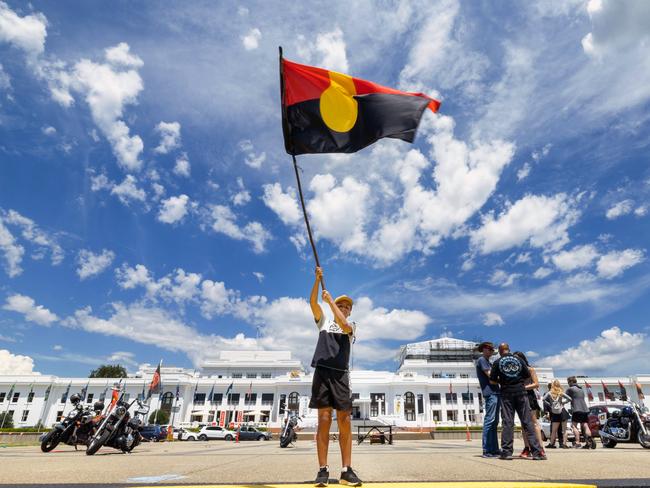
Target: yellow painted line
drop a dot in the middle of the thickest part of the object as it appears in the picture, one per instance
(433, 484)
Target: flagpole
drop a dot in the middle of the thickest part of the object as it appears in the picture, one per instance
(295, 167)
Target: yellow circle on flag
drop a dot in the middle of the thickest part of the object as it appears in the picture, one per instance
(338, 108)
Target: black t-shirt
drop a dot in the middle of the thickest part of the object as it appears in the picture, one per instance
(510, 373)
(333, 346)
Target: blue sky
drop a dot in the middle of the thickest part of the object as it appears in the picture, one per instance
(148, 209)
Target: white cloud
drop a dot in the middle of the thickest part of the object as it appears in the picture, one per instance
(252, 39)
(57, 347)
(100, 182)
(15, 364)
(180, 286)
(285, 205)
(251, 159)
(128, 191)
(329, 50)
(32, 312)
(27, 33)
(259, 276)
(32, 233)
(120, 55)
(491, 319)
(49, 130)
(578, 257)
(122, 357)
(619, 209)
(523, 172)
(223, 221)
(170, 136)
(173, 209)
(501, 278)
(641, 211)
(614, 263)
(5, 80)
(182, 167)
(539, 221)
(91, 264)
(611, 348)
(541, 273)
(242, 197)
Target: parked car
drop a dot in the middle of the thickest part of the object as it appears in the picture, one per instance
(208, 433)
(249, 433)
(546, 429)
(154, 433)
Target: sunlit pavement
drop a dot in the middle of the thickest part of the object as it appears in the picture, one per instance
(247, 463)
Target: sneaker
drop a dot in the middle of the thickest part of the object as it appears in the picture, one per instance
(348, 477)
(593, 443)
(505, 456)
(488, 455)
(323, 477)
(577, 446)
(539, 457)
(525, 453)
(564, 446)
(587, 445)
(550, 446)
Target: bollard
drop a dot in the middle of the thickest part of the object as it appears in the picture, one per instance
(237, 436)
(468, 436)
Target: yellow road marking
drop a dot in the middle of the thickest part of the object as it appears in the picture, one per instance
(433, 484)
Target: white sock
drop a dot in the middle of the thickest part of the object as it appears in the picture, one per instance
(344, 469)
(325, 467)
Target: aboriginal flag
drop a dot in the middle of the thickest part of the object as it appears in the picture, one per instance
(154, 386)
(328, 112)
(639, 390)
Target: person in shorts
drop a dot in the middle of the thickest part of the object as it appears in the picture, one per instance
(579, 413)
(531, 385)
(330, 389)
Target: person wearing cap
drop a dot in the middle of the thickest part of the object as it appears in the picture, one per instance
(330, 387)
(491, 401)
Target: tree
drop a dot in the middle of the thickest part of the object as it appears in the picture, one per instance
(109, 371)
(159, 417)
(8, 422)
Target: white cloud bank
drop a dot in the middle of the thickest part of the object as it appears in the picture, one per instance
(27, 306)
(173, 209)
(170, 136)
(15, 364)
(91, 264)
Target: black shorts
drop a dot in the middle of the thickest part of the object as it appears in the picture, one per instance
(579, 417)
(331, 388)
(557, 417)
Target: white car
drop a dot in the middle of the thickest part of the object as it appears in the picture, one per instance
(208, 433)
(546, 430)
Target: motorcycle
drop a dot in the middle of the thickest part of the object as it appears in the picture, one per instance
(289, 434)
(76, 428)
(119, 429)
(630, 424)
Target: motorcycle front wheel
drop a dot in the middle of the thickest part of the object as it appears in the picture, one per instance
(51, 440)
(644, 440)
(97, 443)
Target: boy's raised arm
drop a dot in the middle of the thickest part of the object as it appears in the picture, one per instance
(313, 298)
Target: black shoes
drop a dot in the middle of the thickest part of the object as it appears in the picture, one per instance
(349, 478)
(550, 446)
(323, 477)
(505, 456)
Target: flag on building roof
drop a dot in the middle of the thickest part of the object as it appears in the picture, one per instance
(229, 389)
(211, 394)
(178, 392)
(249, 393)
(622, 391)
(325, 111)
(156, 384)
(84, 391)
(47, 392)
(451, 391)
(606, 392)
(64, 399)
(590, 395)
(639, 390)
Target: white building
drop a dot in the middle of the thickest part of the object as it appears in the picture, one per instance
(435, 384)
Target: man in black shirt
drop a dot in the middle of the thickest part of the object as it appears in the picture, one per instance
(331, 384)
(510, 373)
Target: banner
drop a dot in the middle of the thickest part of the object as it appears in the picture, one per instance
(222, 419)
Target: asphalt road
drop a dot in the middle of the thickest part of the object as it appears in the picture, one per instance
(219, 462)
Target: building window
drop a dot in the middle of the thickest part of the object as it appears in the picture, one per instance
(464, 375)
(294, 401)
(452, 416)
(267, 399)
(264, 415)
(377, 400)
(167, 402)
(468, 398)
(451, 397)
(199, 399)
(469, 415)
(59, 415)
(355, 396)
(249, 418)
(3, 394)
(236, 375)
(451, 375)
(30, 397)
(251, 399)
(25, 415)
(420, 404)
(434, 398)
(436, 415)
(409, 406)
(196, 418)
(437, 375)
(283, 404)
(601, 397)
(251, 375)
(16, 397)
(211, 416)
(233, 399)
(90, 397)
(217, 398)
(266, 375)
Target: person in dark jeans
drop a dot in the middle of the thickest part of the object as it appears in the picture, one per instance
(509, 372)
(492, 401)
